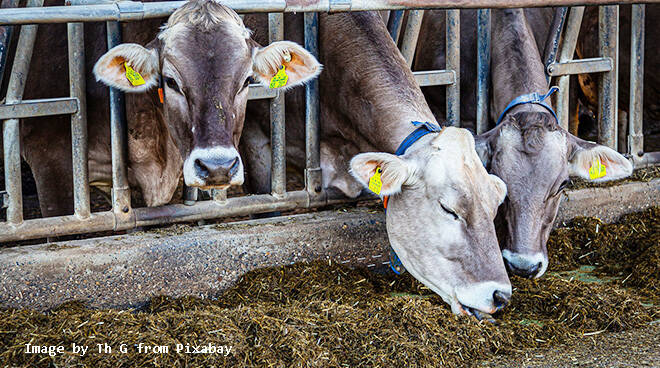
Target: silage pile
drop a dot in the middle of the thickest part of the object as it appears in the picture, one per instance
(322, 314)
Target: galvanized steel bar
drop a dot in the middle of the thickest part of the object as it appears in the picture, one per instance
(257, 92)
(549, 53)
(77, 90)
(133, 10)
(580, 66)
(5, 38)
(11, 138)
(41, 107)
(313, 180)
(190, 195)
(277, 128)
(410, 35)
(636, 109)
(121, 192)
(394, 24)
(483, 69)
(608, 27)
(453, 58)
(434, 78)
(565, 56)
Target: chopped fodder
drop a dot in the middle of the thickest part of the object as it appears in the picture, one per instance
(322, 315)
(628, 249)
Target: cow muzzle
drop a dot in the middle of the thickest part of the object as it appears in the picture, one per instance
(482, 299)
(217, 167)
(524, 265)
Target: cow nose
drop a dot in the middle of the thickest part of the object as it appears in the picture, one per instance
(524, 272)
(216, 171)
(501, 299)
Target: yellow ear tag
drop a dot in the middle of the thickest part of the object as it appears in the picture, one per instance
(597, 169)
(134, 77)
(375, 183)
(280, 79)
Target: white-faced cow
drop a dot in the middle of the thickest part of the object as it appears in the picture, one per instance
(528, 149)
(203, 57)
(441, 199)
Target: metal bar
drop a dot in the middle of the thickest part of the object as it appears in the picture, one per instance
(121, 192)
(483, 68)
(394, 24)
(410, 35)
(434, 78)
(277, 127)
(77, 90)
(257, 92)
(580, 66)
(566, 55)
(219, 195)
(133, 10)
(11, 138)
(636, 109)
(453, 50)
(313, 180)
(608, 27)
(190, 195)
(5, 38)
(41, 107)
(554, 36)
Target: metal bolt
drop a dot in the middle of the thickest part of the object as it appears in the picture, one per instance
(125, 209)
(317, 189)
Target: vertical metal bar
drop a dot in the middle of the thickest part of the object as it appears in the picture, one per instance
(190, 195)
(566, 53)
(608, 29)
(554, 36)
(635, 117)
(313, 181)
(394, 24)
(5, 38)
(453, 36)
(121, 194)
(277, 131)
(79, 119)
(410, 35)
(219, 195)
(483, 68)
(11, 138)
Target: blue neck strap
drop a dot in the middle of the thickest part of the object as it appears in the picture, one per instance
(423, 128)
(530, 98)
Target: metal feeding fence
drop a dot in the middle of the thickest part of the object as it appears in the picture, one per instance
(123, 216)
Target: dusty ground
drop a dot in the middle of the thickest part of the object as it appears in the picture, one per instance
(635, 348)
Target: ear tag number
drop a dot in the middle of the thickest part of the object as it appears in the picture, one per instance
(280, 79)
(597, 169)
(134, 77)
(375, 183)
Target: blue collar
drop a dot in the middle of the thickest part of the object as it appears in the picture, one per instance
(533, 98)
(423, 128)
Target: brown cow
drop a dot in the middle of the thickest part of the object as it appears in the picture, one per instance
(206, 59)
(441, 200)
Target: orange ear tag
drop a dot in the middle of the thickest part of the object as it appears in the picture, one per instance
(161, 96)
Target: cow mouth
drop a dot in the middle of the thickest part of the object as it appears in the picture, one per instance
(479, 315)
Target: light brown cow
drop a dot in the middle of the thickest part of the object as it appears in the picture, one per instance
(206, 59)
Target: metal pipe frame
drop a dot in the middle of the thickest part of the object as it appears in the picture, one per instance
(566, 56)
(313, 179)
(40, 107)
(554, 36)
(277, 127)
(453, 63)
(410, 35)
(132, 10)
(608, 27)
(394, 24)
(483, 68)
(636, 111)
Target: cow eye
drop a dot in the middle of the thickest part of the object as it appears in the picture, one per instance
(248, 81)
(171, 83)
(449, 211)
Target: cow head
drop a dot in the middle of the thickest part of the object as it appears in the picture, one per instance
(205, 60)
(440, 218)
(535, 158)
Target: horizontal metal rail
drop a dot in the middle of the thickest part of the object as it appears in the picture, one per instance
(133, 10)
(435, 77)
(41, 107)
(581, 66)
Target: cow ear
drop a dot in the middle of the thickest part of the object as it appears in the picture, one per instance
(284, 58)
(483, 146)
(390, 169)
(585, 155)
(128, 67)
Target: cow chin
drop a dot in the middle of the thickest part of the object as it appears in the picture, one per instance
(213, 168)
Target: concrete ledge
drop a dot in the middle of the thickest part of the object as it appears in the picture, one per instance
(126, 270)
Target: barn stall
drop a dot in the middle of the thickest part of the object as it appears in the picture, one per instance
(307, 289)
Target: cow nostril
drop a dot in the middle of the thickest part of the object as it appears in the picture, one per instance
(523, 272)
(201, 169)
(500, 299)
(534, 270)
(234, 167)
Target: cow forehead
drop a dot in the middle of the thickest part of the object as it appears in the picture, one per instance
(193, 44)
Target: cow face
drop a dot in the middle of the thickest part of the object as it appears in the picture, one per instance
(535, 158)
(440, 218)
(205, 60)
